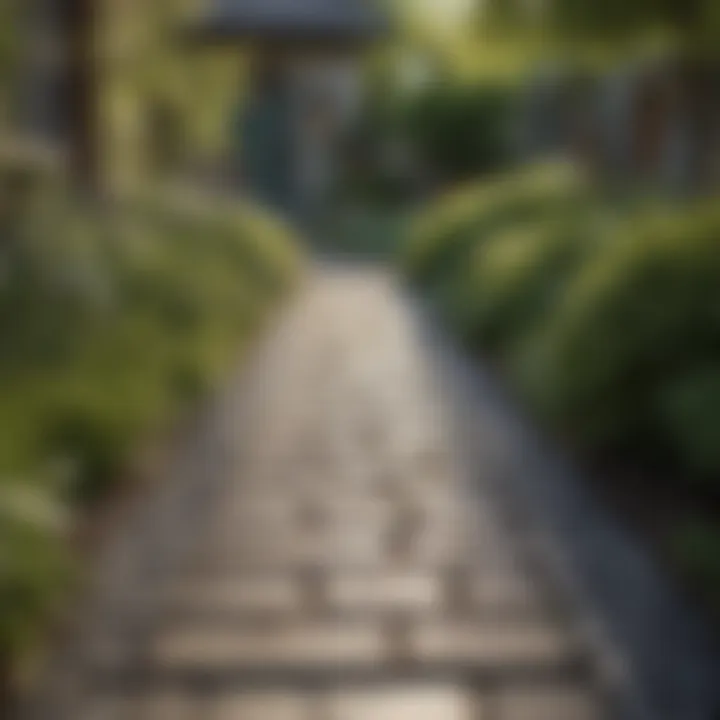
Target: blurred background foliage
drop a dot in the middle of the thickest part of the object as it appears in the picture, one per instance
(460, 130)
(166, 105)
(693, 24)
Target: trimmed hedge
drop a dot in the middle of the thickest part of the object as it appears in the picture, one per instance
(632, 354)
(461, 130)
(440, 134)
(608, 321)
(446, 235)
(516, 277)
(112, 322)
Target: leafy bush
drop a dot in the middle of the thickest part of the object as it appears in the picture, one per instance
(113, 320)
(153, 299)
(688, 411)
(606, 321)
(34, 564)
(513, 280)
(623, 359)
(461, 130)
(696, 547)
(445, 236)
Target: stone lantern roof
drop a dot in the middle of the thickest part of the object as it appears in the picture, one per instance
(334, 21)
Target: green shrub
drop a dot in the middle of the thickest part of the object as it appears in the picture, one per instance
(461, 130)
(113, 321)
(638, 320)
(608, 321)
(517, 277)
(696, 547)
(605, 320)
(34, 563)
(689, 413)
(444, 237)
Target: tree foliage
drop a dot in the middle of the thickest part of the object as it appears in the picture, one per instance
(8, 43)
(165, 104)
(686, 21)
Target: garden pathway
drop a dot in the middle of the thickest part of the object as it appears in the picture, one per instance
(332, 547)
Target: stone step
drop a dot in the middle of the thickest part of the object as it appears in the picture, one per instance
(237, 600)
(318, 650)
(437, 700)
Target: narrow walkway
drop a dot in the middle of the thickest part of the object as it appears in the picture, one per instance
(323, 553)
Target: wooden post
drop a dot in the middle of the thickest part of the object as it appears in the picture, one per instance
(79, 30)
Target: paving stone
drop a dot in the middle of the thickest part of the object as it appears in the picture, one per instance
(170, 705)
(311, 644)
(420, 702)
(253, 553)
(351, 548)
(256, 507)
(112, 708)
(261, 706)
(109, 647)
(279, 594)
(356, 506)
(410, 593)
(438, 545)
(491, 644)
(547, 704)
(495, 593)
